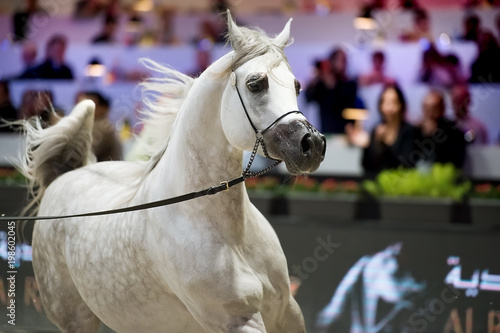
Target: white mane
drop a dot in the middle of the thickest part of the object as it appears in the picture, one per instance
(163, 96)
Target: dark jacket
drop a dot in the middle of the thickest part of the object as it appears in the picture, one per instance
(47, 71)
(332, 101)
(378, 156)
(8, 113)
(447, 145)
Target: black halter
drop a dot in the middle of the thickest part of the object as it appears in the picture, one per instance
(223, 186)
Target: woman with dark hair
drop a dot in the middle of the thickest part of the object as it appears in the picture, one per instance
(392, 140)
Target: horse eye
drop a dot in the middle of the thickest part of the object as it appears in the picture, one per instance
(253, 86)
(297, 87)
(257, 82)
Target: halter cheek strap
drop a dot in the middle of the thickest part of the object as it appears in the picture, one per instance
(258, 133)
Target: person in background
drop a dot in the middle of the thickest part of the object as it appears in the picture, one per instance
(220, 6)
(472, 28)
(453, 68)
(333, 91)
(28, 55)
(409, 4)
(377, 74)
(108, 31)
(40, 103)
(486, 67)
(21, 20)
(474, 130)
(497, 25)
(166, 33)
(54, 66)
(391, 141)
(203, 58)
(7, 110)
(105, 143)
(421, 28)
(85, 9)
(210, 30)
(431, 60)
(439, 140)
(439, 70)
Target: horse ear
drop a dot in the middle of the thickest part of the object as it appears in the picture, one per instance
(235, 35)
(283, 38)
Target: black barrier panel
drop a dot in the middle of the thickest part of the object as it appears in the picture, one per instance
(399, 278)
(354, 277)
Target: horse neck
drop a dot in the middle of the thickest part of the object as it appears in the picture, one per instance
(198, 154)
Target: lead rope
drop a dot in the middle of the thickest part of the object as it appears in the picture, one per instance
(223, 186)
(246, 173)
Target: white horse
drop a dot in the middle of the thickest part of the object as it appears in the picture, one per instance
(213, 264)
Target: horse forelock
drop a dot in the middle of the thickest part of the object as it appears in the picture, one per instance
(256, 44)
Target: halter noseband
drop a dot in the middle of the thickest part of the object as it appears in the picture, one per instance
(259, 134)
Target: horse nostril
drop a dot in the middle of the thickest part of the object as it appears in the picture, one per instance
(306, 145)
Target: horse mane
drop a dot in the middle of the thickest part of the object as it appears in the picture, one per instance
(163, 96)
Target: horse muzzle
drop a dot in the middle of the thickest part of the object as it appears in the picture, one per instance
(297, 143)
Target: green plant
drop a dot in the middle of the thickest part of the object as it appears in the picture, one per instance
(442, 180)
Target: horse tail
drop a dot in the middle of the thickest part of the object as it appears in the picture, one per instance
(55, 150)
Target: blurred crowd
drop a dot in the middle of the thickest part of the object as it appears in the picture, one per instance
(392, 143)
(144, 22)
(105, 141)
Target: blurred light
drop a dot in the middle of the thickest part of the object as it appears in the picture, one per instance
(95, 69)
(205, 44)
(424, 44)
(469, 136)
(143, 5)
(365, 23)
(355, 114)
(322, 7)
(444, 39)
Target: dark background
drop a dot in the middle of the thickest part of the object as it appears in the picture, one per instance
(425, 250)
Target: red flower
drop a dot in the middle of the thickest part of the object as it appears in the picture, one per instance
(329, 185)
(483, 188)
(305, 184)
(350, 186)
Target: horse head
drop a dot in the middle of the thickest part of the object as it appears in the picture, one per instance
(261, 99)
